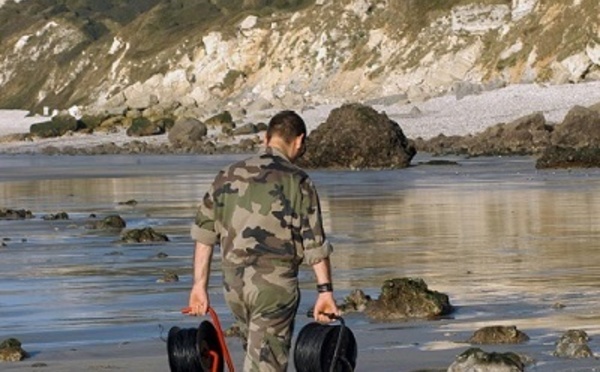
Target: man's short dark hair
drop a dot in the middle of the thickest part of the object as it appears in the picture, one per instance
(286, 124)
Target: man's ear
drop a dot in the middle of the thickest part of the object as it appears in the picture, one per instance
(298, 141)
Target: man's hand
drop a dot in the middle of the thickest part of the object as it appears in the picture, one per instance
(325, 305)
(199, 301)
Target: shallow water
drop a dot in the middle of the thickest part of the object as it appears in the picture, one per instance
(506, 243)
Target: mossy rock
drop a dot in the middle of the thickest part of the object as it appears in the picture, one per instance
(498, 335)
(15, 214)
(403, 298)
(141, 127)
(143, 235)
(112, 222)
(475, 359)
(58, 126)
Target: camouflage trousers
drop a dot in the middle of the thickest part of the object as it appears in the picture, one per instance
(264, 300)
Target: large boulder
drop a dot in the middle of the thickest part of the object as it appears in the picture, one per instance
(58, 126)
(356, 136)
(580, 128)
(527, 135)
(141, 127)
(403, 298)
(187, 131)
(569, 157)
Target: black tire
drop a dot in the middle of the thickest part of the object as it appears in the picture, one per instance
(315, 348)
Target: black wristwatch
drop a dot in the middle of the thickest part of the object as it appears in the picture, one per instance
(325, 287)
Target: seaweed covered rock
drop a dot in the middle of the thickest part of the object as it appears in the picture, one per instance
(58, 126)
(11, 351)
(55, 217)
(141, 127)
(146, 234)
(356, 136)
(112, 222)
(15, 214)
(573, 344)
(475, 359)
(498, 335)
(580, 128)
(569, 157)
(403, 298)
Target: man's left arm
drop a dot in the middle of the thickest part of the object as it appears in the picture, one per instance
(199, 300)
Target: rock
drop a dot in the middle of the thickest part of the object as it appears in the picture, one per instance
(58, 126)
(527, 135)
(356, 136)
(573, 344)
(91, 121)
(11, 351)
(245, 129)
(498, 335)
(15, 214)
(580, 128)
(57, 216)
(112, 222)
(168, 277)
(403, 298)
(187, 131)
(475, 359)
(464, 88)
(222, 119)
(142, 126)
(143, 235)
(131, 203)
(161, 255)
(357, 300)
(568, 157)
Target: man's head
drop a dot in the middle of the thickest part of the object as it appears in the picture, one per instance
(287, 132)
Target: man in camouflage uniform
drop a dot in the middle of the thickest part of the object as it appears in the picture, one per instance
(265, 214)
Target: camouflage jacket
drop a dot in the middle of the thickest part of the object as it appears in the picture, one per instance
(260, 208)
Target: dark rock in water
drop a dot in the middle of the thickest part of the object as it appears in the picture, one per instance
(573, 344)
(498, 335)
(187, 131)
(439, 162)
(475, 359)
(143, 235)
(356, 137)
(131, 203)
(39, 365)
(563, 157)
(11, 351)
(112, 222)
(141, 127)
(161, 255)
(57, 216)
(168, 277)
(58, 126)
(403, 298)
(357, 300)
(114, 253)
(15, 214)
(580, 128)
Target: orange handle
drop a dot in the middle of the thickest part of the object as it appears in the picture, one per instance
(220, 336)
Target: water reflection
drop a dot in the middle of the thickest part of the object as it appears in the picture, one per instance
(485, 231)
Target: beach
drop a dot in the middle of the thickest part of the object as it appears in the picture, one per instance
(504, 241)
(441, 115)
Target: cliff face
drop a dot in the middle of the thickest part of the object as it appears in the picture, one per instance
(259, 53)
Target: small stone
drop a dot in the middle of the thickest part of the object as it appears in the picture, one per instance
(161, 255)
(131, 203)
(168, 277)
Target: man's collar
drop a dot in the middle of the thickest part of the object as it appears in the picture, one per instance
(275, 151)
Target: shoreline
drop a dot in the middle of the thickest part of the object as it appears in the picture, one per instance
(446, 115)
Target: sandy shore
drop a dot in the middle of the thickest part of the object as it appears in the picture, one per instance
(446, 114)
